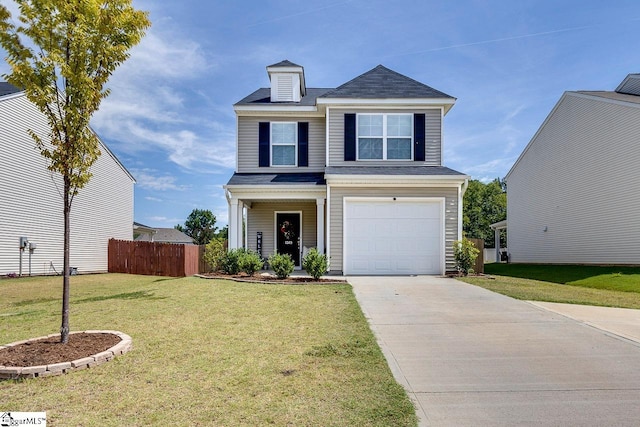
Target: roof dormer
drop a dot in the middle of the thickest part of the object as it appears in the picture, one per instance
(287, 82)
(630, 85)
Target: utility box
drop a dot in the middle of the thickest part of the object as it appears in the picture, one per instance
(23, 242)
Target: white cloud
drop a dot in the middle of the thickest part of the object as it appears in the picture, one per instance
(164, 220)
(147, 111)
(153, 199)
(146, 180)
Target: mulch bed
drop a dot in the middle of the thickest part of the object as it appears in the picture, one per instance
(267, 278)
(48, 351)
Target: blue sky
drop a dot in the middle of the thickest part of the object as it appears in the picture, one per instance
(170, 118)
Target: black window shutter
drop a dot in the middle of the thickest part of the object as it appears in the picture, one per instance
(303, 144)
(263, 145)
(419, 135)
(349, 137)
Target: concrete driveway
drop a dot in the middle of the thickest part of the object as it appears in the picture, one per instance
(471, 357)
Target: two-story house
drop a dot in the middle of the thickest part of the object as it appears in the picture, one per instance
(355, 171)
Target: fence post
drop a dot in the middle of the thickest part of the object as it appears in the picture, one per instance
(479, 266)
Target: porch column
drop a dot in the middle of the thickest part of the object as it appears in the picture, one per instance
(497, 243)
(233, 223)
(320, 225)
(239, 222)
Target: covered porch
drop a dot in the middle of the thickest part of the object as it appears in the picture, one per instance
(277, 212)
(501, 255)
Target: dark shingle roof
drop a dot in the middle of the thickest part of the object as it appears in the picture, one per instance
(263, 97)
(277, 179)
(8, 89)
(285, 63)
(612, 95)
(391, 170)
(382, 82)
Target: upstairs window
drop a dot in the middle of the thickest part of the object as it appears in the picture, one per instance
(385, 137)
(284, 144)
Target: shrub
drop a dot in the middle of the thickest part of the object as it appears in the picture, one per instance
(315, 263)
(214, 252)
(465, 254)
(250, 261)
(230, 262)
(281, 264)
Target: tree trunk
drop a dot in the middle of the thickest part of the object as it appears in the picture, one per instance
(64, 329)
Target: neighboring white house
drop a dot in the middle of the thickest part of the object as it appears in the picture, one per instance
(355, 171)
(573, 194)
(31, 198)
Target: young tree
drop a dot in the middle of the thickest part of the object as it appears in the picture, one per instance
(62, 54)
(200, 225)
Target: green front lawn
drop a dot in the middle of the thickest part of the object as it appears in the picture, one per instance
(626, 279)
(575, 284)
(207, 352)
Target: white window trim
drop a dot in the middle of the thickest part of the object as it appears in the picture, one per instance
(295, 145)
(384, 137)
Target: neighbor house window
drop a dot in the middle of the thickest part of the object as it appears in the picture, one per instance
(385, 136)
(284, 144)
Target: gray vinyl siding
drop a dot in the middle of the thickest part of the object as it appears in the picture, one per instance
(248, 144)
(433, 134)
(336, 215)
(578, 177)
(32, 201)
(261, 217)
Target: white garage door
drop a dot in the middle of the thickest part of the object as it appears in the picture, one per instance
(386, 236)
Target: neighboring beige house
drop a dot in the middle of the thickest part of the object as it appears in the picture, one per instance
(162, 235)
(31, 202)
(355, 171)
(573, 193)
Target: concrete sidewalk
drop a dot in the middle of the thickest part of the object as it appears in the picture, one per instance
(623, 322)
(471, 357)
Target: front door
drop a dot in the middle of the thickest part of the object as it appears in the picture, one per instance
(288, 235)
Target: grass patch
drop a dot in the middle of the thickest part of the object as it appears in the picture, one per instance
(617, 278)
(607, 286)
(212, 352)
(148, 295)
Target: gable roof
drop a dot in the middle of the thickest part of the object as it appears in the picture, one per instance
(380, 83)
(285, 63)
(166, 235)
(8, 89)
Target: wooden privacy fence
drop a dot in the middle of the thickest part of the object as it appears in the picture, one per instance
(155, 259)
(479, 244)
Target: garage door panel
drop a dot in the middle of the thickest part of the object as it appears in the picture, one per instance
(399, 237)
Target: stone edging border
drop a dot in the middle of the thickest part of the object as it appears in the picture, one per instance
(269, 282)
(18, 372)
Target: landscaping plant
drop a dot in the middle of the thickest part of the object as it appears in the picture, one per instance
(315, 263)
(281, 264)
(230, 262)
(214, 253)
(465, 254)
(250, 261)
